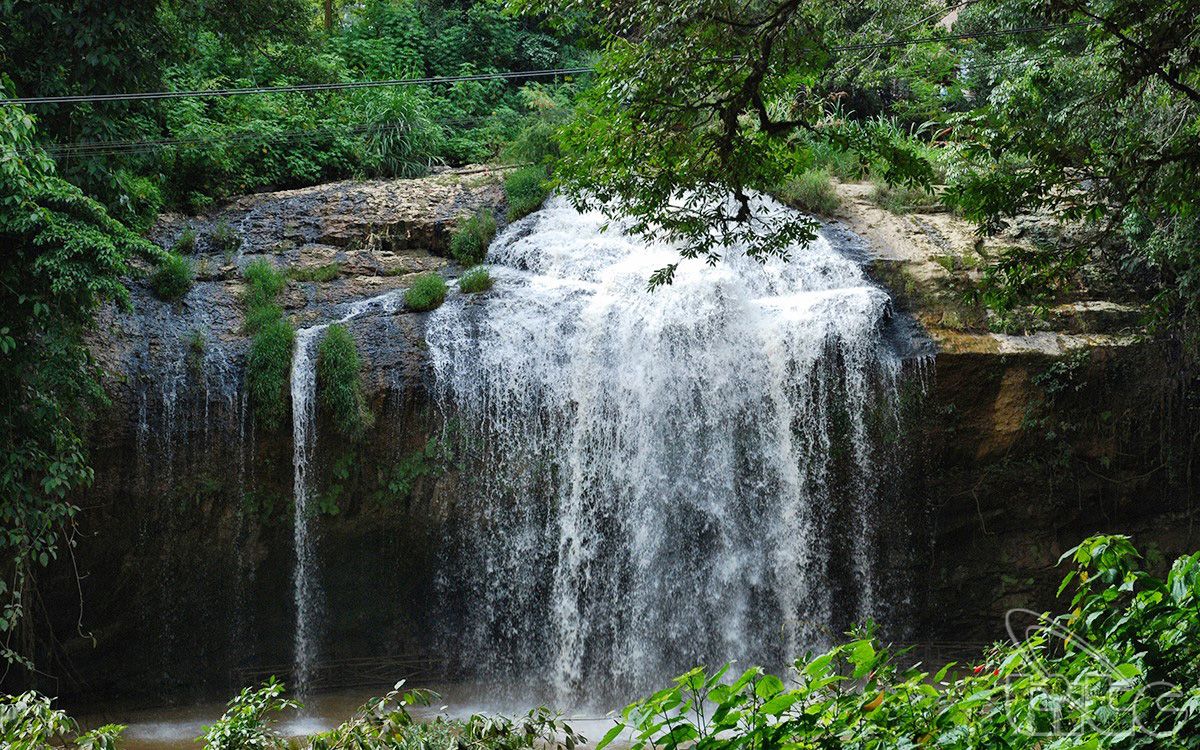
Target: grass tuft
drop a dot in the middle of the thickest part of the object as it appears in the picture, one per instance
(225, 239)
(268, 370)
(469, 243)
(322, 274)
(339, 382)
(811, 191)
(475, 281)
(901, 199)
(173, 277)
(186, 244)
(428, 291)
(526, 190)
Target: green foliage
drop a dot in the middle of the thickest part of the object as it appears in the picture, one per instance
(186, 244)
(475, 280)
(430, 460)
(246, 721)
(63, 257)
(470, 241)
(323, 273)
(173, 277)
(264, 283)
(810, 191)
(694, 105)
(525, 190)
(339, 382)
(427, 292)
(386, 723)
(268, 370)
(1114, 672)
(28, 722)
(225, 239)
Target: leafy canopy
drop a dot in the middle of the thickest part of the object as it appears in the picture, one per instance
(63, 256)
(698, 103)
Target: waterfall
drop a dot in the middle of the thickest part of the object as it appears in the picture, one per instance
(304, 435)
(306, 591)
(655, 480)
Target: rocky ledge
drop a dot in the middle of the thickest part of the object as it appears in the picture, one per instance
(1028, 443)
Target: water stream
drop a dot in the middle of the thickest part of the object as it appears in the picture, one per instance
(660, 479)
(305, 581)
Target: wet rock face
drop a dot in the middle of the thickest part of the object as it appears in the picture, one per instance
(185, 550)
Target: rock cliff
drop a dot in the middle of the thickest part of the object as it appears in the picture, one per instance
(1027, 444)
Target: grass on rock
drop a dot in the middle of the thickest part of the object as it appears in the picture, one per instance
(173, 277)
(470, 241)
(339, 382)
(428, 291)
(476, 280)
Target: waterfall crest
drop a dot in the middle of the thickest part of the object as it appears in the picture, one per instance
(660, 479)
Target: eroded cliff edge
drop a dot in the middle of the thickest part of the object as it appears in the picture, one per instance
(1025, 445)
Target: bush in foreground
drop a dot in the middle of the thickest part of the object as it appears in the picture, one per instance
(475, 280)
(1117, 671)
(428, 291)
(173, 277)
(339, 382)
(470, 241)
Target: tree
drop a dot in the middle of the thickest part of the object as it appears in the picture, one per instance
(1096, 123)
(696, 103)
(63, 256)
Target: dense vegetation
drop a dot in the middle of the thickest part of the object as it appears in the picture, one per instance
(1117, 670)
(187, 152)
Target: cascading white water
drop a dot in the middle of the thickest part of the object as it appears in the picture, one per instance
(304, 387)
(659, 479)
(305, 585)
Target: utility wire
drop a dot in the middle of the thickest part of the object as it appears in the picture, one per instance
(953, 37)
(510, 75)
(305, 87)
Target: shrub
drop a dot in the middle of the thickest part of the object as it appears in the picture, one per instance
(1120, 664)
(339, 382)
(901, 199)
(186, 243)
(476, 280)
(525, 190)
(268, 369)
(245, 723)
(173, 277)
(386, 723)
(265, 283)
(327, 272)
(28, 721)
(225, 239)
(470, 241)
(427, 292)
(811, 191)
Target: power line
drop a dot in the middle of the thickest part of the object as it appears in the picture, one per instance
(510, 75)
(953, 37)
(305, 87)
